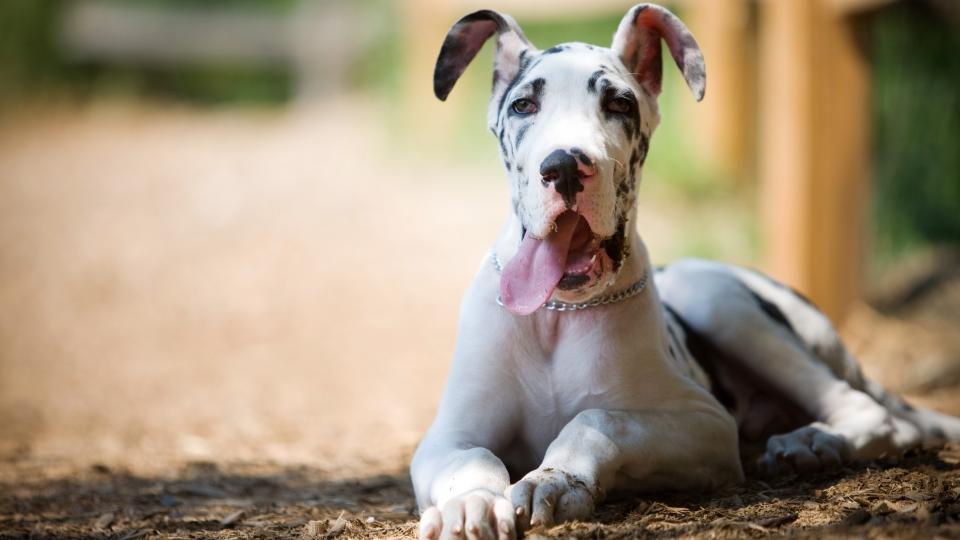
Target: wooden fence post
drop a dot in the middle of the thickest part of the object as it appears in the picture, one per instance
(814, 91)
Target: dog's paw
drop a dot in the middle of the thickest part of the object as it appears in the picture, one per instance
(548, 496)
(477, 515)
(808, 449)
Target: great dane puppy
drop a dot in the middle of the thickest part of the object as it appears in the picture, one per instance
(580, 369)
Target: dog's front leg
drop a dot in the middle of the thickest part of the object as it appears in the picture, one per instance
(599, 450)
(460, 490)
(458, 479)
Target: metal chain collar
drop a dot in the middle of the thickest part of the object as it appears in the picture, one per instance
(557, 305)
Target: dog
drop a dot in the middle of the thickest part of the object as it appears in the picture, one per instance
(581, 370)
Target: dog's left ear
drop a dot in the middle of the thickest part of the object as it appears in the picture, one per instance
(465, 39)
(637, 42)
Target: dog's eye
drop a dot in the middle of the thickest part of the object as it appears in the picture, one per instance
(524, 106)
(620, 105)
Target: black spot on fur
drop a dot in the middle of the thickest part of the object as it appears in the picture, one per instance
(508, 165)
(772, 311)
(626, 181)
(537, 87)
(592, 81)
(604, 86)
(623, 186)
(521, 133)
(581, 156)
(556, 49)
(616, 245)
(644, 147)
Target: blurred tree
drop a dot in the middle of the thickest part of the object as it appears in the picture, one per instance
(33, 61)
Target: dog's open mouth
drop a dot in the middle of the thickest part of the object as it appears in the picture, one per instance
(568, 258)
(582, 256)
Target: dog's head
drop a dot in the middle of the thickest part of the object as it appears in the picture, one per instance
(574, 124)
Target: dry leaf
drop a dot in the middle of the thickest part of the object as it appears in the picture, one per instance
(232, 519)
(104, 521)
(338, 526)
(850, 505)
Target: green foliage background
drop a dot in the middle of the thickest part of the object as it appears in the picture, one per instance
(916, 115)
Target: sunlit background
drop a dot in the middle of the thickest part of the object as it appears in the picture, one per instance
(240, 229)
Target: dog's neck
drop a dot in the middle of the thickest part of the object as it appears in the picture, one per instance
(548, 326)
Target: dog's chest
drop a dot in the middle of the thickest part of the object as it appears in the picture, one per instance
(564, 367)
(552, 392)
(564, 370)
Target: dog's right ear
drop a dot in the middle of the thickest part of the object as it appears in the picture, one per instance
(637, 42)
(465, 39)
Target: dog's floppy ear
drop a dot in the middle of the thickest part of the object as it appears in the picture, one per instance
(637, 42)
(465, 39)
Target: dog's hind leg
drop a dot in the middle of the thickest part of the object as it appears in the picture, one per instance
(785, 343)
(818, 336)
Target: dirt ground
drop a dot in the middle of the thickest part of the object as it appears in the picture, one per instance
(914, 497)
(206, 333)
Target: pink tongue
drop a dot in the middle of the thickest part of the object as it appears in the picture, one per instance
(530, 277)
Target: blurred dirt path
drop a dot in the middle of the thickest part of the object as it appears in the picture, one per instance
(237, 285)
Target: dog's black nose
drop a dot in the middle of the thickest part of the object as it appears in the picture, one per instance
(561, 169)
